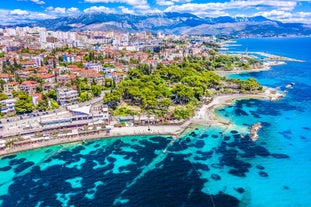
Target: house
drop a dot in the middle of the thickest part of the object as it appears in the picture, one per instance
(48, 78)
(69, 58)
(67, 96)
(93, 66)
(8, 106)
(64, 79)
(29, 86)
(10, 86)
(6, 77)
(36, 97)
(97, 78)
(47, 87)
(22, 73)
(26, 64)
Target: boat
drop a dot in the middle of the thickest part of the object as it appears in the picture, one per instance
(290, 85)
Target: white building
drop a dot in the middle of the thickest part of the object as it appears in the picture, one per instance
(8, 105)
(67, 96)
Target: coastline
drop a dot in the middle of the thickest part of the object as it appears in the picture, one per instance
(205, 115)
(265, 67)
(164, 130)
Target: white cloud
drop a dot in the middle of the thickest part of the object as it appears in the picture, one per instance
(95, 9)
(73, 10)
(125, 10)
(286, 17)
(60, 11)
(18, 16)
(272, 9)
(134, 3)
(171, 2)
(150, 11)
(38, 2)
(285, 5)
(18, 12)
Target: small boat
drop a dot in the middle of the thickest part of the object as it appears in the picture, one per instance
(290, 85)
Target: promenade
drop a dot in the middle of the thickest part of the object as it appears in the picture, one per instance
(205, 115)
(173, 130)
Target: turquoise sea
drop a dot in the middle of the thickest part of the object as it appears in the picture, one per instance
(202, 168)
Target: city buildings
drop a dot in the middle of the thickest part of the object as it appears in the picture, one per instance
(67, 96)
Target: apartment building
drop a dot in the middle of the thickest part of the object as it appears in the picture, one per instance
(67, 96)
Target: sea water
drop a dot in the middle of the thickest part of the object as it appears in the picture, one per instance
(207, 166)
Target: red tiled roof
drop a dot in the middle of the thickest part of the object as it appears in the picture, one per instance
(45, 76)
(96, 75)
(5, 75)
(38, 96)
(13, 83)
(27, 63)
(29, 83)
(42, 71)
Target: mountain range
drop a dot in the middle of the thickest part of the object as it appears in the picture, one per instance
(175, 23)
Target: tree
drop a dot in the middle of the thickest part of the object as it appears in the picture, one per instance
(181, 113)
(96, 90)
(15, 93)
(165, 103)
(184, 93)
(54, 104)
(2, 82)
(84, 96)
(24, 103)
(3, 96)
(52, 94)
(39, 89)
(251, 84)
(42, 105)
(54, 63)
(108, 82)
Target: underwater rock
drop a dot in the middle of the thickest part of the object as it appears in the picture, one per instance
(8, 157)
(240, 190)
(263, 174)
(6, 168)
(279, 156)
(23, 166)
(17, 162)
(199, 144)
(237, 173)
(217, 166)
(215, 177)
(260, 167)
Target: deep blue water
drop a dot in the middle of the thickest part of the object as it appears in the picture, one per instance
(202, 168)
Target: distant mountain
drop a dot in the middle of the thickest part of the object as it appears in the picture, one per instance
(177, 23)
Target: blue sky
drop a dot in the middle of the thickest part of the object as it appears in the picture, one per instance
(19, 11)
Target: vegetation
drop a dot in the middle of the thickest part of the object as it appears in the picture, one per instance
(174, 89)
(24, 103)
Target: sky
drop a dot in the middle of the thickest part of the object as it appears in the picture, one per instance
(21, 11)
